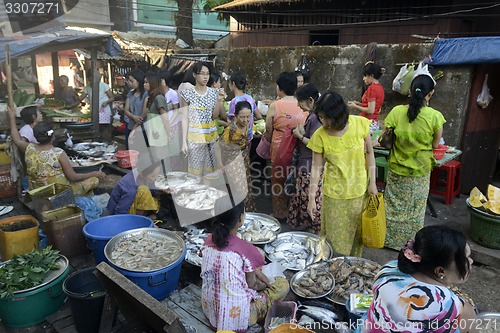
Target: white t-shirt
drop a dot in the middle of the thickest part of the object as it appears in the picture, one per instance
(172, 97)
(27, 132)
(103, 88)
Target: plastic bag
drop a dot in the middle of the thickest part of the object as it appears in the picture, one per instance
(373, 225)
(402, 81)
(484, 98)
(272, 270)
(303, 67)
(264, 148)
(423, 70)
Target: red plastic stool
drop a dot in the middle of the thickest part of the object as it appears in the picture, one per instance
(452, 183)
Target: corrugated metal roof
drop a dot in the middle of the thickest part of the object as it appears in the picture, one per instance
(251, 3)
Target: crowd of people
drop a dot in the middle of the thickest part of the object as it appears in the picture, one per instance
(197, 129)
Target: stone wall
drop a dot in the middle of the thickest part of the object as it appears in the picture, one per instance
(340, 67)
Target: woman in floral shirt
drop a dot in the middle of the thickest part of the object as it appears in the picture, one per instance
(235, 293)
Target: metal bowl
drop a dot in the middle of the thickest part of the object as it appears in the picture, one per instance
(299, 275)
(154, 233)
(488, 322)
(336, 298)
(299, 236)
(249, 217)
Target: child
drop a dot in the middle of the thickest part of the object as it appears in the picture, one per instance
(236, 134)
(373, 98)
(235, 293)
(237, 84)
(31, 117)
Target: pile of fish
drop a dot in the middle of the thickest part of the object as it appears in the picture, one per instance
(175, 180)
(259, 228)
(297, 250)
(352, 275)
(314, 311)
(312, 283)
(144, 252)
(195, 238)
(199, 200)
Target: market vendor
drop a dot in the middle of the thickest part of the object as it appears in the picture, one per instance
(47, 164)
(68, 94)
(235, 292)
(134, 194)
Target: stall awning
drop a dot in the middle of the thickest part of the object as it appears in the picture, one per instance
(57, 41)
(462, 51)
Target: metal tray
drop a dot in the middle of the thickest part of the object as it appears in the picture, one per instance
(335, 298)
(154, 233)
(177, 180)
(299, 275)
(301, 236)
(249, 217)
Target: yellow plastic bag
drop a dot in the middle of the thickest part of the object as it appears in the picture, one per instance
(373, 227)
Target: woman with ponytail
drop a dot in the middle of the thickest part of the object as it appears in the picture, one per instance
(418, 129)
(235, 293)
(412, 294)
(298, 217)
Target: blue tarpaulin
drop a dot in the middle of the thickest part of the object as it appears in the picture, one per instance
(461, 51)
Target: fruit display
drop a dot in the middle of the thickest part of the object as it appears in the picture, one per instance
(490, 203)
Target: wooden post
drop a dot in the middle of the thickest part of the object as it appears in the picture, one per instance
(55, 75)
(110, 76)
(8, 69)
(34, 68)
(94, 103)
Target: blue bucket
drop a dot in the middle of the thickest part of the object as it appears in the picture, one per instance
(161, 283)
(100, 231)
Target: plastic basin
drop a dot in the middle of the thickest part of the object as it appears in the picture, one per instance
(100, 231)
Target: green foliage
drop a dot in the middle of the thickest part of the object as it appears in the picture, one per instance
(27, 270)
(209, 4)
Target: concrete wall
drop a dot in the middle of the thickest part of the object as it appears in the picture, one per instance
(340, 67)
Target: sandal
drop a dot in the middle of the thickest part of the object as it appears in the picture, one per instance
(5, 210)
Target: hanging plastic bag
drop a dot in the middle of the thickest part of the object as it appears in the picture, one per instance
(373, 225)
(484, 98)
(303, 67)
(402, 81)
(423, 70)
(264, 148)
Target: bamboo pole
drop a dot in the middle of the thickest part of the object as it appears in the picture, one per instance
(8, 70)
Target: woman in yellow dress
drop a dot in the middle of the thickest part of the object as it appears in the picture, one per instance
(47, 164)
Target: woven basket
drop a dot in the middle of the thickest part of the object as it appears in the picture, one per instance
(8, 186)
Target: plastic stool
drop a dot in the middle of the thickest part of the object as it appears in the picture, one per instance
(381, 162)
(451, 184)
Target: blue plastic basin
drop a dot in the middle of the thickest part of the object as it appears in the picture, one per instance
(100, 231)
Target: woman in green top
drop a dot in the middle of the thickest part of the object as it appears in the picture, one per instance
(344, 142)
(418, 130)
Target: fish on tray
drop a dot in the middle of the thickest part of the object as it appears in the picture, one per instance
(258, 230)
(312, 283)
(296, 253)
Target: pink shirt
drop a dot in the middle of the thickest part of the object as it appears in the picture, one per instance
(226, 296)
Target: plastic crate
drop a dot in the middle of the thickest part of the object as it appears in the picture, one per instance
(286, 310)
(51, 197)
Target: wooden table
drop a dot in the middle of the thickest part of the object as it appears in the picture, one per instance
(448, 156)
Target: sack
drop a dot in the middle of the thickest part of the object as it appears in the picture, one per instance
(402, 81)
(387, 138)
(264, 148)
(285, 150)
(484, 98)
(373, 227)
